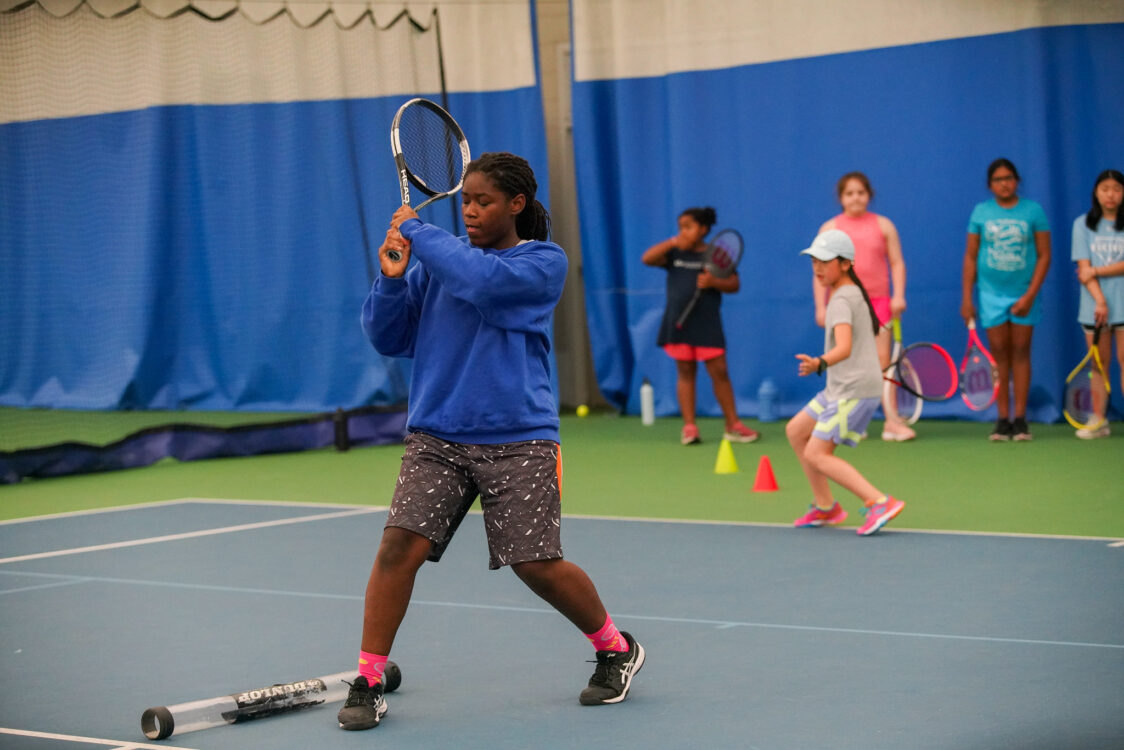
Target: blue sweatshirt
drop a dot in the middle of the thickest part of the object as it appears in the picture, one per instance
(478, 324)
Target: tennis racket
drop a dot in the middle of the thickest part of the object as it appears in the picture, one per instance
(430, 152)
(926, 371)
(721, 258)
(1087, 390)
(979, 378)
(909, 406)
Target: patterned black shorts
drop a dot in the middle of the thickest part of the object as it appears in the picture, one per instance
(519, 485)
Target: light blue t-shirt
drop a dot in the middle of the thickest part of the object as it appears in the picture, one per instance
(1101, 248)
(1007, 249)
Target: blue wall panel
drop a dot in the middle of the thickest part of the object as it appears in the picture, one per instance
(210, 257)
(765, 144)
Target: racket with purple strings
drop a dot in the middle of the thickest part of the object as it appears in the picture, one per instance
(979, 377)
(925, 370)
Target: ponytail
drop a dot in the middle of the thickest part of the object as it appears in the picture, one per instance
(877, 324)
(533, 222)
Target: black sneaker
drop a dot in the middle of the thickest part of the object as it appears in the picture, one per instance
(1021, 430)
(613, 677)
(364, 707)
(1002, 432)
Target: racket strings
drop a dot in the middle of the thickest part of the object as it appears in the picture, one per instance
(726, 252)
(1086, 396)
(978, 381)
(928, 371)
(431, 149)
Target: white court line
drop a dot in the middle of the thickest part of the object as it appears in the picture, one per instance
(719, 624)
(1113, 541)
(71, 581)
(118, 744)
(190, 535)
(179, 501)
(891, 530)
(724, 624)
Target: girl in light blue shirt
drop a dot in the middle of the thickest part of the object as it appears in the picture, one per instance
(1098, 250)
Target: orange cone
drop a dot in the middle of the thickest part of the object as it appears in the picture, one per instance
(765, 481)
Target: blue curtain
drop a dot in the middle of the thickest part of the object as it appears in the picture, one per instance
(765, 143)
(211, 257)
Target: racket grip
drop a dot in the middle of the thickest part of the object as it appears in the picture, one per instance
(394, 255)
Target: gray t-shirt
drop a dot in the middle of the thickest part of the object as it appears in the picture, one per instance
(860, 375)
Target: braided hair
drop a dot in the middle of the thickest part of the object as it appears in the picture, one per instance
(514, 176)
(866, 297)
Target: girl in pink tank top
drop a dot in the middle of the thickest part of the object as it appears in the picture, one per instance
(880, 265)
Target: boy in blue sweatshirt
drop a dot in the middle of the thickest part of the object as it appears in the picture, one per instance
(475, 313)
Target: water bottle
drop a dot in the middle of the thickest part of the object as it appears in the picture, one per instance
(767, 401)
(647, 404)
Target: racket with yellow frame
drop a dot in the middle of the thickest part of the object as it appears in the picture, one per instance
(1087, 389)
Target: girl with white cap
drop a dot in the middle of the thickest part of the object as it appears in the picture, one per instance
(839, 414)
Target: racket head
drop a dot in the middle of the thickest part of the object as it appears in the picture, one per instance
(927, 371)
(724, 253)
(1087, 389)
(430, 150)
(979, 377)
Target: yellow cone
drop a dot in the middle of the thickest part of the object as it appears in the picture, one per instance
(726, 464)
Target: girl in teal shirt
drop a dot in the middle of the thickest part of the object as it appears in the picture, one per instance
(1007, 256)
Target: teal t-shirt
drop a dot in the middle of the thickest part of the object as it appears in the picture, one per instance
(1101, 247)
(1007, 249)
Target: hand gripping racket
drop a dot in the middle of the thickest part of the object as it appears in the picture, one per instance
(979, 378)
(721, 258)
(925, 370)
(430, 152)
(1087, 390)
(909, 406)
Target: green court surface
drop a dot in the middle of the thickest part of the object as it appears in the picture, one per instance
(951, 478)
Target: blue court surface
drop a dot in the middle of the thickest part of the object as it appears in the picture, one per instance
(757, 636)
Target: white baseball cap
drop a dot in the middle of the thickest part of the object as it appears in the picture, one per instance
(834, 243)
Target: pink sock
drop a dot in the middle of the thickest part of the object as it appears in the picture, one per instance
(608, 638)
(371, 666)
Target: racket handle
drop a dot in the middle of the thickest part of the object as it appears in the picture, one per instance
(688, 309)
(394, 255)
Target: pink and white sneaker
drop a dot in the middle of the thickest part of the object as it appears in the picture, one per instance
(879, 514)
(819, 517)
(690, 435)
(739, 433)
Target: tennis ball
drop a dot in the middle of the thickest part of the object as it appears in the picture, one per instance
(583, 411)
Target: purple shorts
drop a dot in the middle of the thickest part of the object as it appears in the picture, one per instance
(842, 422)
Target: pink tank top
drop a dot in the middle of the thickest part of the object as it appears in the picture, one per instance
(871, 263)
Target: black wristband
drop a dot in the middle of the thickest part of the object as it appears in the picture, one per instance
(822, 366)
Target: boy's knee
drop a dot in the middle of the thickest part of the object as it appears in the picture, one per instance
(537, 573)
(401, 548)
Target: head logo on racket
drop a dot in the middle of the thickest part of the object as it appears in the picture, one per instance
(430, 151)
